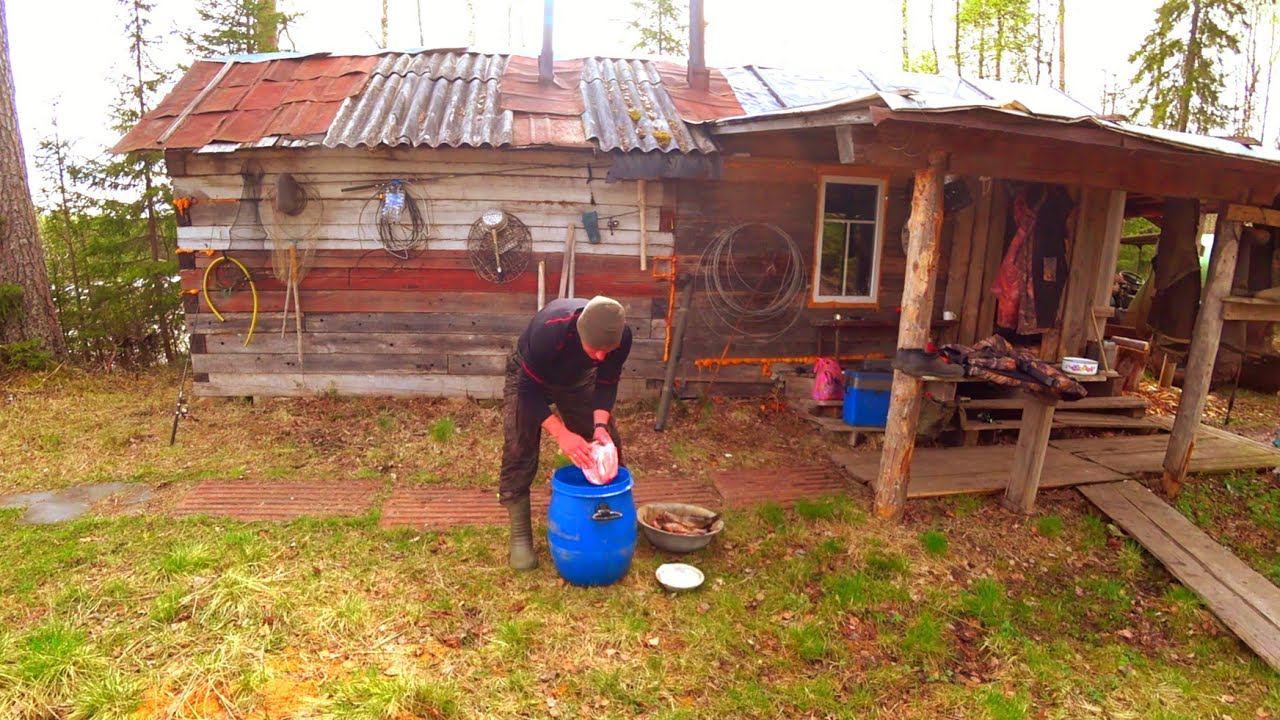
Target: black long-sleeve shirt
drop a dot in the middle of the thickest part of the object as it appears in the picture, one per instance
(551, 356)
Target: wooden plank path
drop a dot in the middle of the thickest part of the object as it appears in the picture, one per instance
(1244, 600)
(1215, 451)
(986, 469)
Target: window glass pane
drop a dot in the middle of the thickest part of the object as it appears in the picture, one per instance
(862, 253)
(850, 202)
(831, 264)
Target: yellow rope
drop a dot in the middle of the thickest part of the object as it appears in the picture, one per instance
(253, 289)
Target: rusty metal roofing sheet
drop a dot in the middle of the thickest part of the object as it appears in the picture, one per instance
(426, 99)
(628, 108)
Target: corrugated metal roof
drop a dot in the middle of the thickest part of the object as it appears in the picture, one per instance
(427, 99)
(626, 107)
(773, 93)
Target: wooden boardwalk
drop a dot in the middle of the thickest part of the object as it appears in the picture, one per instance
(1246, 602)
(1215, 451)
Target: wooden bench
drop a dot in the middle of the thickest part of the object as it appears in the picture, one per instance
(1118, 412)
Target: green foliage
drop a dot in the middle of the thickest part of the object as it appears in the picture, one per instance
(1002, 707)
(1182, 61)
(1049, 526)
(987, 601)
(110, 236)
(810, 642)
(442, 430)
(661, 26)
(370, 696)
(925, 62)
(10, 302)
(925, 642)
(999, 38)
(25, 355)
(934, 542)
(230, 27)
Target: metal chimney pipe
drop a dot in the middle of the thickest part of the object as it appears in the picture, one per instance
(546, 73)
(699, 76)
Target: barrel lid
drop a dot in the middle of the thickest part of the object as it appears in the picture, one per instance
(570, 480)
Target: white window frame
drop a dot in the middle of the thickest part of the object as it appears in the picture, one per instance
(881, 185)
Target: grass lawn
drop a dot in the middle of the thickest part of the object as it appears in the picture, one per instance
(964, 610)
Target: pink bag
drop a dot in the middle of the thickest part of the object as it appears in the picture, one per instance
(828, 380)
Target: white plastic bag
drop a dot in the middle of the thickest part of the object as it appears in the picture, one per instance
(604, 464)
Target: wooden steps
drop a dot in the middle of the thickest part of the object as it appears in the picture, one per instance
(827, 417)
(1244, 600)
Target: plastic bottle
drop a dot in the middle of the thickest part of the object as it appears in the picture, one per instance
(393, 203)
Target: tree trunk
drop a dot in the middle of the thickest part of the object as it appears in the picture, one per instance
(999, 44)
(267, 27)
(933, 39)
(384, 23)
(906, 47)
(1062, 45)
(1188, 68)
(67, 237)
(21, 254)
(959, 65)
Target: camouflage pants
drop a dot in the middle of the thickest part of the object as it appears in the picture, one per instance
(522, 428)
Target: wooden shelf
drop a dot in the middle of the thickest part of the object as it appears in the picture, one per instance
(1242, 308)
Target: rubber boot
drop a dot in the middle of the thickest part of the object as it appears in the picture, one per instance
(521, 526)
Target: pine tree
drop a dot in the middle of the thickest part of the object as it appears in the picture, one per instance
(28, 318)
(131, 210)
(998, 35)
(661, 25)
(64, 209)
(1180, 74)
(232, 27)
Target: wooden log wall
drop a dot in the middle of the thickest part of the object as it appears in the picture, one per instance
(428, 325)
(786, 193)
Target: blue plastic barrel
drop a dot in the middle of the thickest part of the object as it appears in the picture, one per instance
(591, 528)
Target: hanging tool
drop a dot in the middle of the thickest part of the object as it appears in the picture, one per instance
(677, 347)
(542, 283)
(566, 265)
(180, 408)
(644, 230)
(591, 223)
(204, 286)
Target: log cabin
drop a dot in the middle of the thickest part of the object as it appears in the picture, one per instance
(813, 215)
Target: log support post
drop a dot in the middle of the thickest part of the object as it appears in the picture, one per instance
(1028, 457)
(923, 230)
(1204, 349)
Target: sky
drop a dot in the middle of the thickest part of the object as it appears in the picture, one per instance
(68, 54)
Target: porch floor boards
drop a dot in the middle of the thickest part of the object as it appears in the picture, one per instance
(985, 469)
(1215, 451)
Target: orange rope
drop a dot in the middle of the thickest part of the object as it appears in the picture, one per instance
(766, 363)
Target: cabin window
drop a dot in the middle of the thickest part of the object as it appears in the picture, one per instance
(847, 247)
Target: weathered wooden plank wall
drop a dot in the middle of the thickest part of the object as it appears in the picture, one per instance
(376, 324)
(786, 193)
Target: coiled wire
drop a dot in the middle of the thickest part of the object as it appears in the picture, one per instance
(756, 294)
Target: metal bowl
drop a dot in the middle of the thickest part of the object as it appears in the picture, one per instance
(673, 542)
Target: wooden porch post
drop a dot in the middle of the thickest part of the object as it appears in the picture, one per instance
(923, 230)
(1204, 350)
